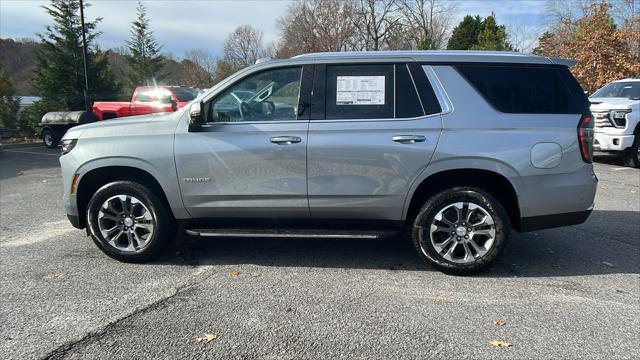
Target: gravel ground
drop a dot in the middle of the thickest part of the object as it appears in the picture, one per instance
(562, 293)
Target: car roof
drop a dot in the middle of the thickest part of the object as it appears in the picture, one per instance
(438, 56)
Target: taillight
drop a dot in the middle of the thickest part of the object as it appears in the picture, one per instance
(585, 138)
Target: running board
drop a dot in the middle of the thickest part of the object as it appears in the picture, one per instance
(285, 233)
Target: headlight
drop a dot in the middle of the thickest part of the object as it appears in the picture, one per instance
(618, 117)
(68, 145)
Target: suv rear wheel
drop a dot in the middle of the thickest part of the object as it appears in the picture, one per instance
(128, 222)
(461, 230)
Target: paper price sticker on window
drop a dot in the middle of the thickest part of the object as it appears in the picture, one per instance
(360, 90)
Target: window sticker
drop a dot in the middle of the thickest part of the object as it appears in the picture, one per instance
(360, 90)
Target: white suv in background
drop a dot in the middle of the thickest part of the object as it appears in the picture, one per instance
(616, 111)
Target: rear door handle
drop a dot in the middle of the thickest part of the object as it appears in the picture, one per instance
(409, 139)
(285, 140)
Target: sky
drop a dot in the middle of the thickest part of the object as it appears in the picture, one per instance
(183, 25)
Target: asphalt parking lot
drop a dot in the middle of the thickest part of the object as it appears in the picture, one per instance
(562, 293)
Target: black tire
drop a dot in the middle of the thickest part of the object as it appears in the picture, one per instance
(440, 201)
(49, 139)
(630, 155)
(164, 224)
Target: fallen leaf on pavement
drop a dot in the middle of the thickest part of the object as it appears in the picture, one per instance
(496, 343)
(500, 322)
(444, 300)
(233, 273)
(205, 338)
(611, 265)
(57, 275)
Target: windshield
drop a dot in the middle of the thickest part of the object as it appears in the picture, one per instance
(184, 93)
(627, 89)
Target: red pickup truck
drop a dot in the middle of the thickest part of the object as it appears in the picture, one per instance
(146, 100)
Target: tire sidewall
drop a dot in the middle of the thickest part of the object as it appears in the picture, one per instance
(163, 226)
(423, 244)
(49, 133)
(630, 155)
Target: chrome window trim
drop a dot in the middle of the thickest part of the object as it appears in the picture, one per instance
(445, 103)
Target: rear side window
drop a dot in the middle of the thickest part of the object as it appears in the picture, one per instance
(523, 89)
(360, 92)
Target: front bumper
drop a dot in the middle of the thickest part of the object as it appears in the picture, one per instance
(609, 142)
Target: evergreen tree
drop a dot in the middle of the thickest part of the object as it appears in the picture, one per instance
(492, 36)
(144, 59)
(59, 76)
(465, 34)
(9, 103)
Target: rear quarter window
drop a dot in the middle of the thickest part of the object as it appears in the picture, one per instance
(525, 89)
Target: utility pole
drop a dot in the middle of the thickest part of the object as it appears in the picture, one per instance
(87, 104)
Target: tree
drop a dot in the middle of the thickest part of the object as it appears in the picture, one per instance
(144, 57)
(241, 48)
(9, 103)
(492, 36)
(465, 34)
(374, 21)
(315, 26)
(59, 76)
(200, 68)
(426, 22)
(602, 52)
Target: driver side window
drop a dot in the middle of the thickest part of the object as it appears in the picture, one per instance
(270, 95)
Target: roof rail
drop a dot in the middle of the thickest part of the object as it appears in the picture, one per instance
(264, 59)
(561, 61)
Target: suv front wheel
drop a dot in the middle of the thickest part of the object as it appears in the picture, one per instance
(461, 230)
(631, 156)
(128, 222)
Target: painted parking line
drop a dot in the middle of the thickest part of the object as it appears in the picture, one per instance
(31, 152)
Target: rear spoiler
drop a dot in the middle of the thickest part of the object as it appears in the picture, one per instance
(561, 61)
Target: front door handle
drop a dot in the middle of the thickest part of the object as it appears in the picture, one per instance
(285, 140)
(409, 139)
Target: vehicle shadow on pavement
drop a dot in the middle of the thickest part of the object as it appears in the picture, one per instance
(607, 243)
(610, 159)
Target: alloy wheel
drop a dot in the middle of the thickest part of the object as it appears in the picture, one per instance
(126, 223)
(462, 232)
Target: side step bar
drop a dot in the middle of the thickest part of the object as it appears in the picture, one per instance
(285, 233)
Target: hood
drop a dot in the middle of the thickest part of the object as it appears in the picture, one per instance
(122, 126)
(608, 103)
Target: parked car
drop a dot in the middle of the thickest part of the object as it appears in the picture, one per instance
(616, 111)
(146, 100)
(453, 148)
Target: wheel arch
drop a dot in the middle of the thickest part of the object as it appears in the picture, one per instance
(95, 178)
(495, 183)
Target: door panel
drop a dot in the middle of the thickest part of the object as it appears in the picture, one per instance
(357, 170)
(234, 170)
(250, 159)
(361, 166)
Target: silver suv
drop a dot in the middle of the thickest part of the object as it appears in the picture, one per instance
(453, 148)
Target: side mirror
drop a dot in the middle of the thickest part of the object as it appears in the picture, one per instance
(195, 114)
(174, 105)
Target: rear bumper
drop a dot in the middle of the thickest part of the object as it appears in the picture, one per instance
(554, 220)
(610, 142)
